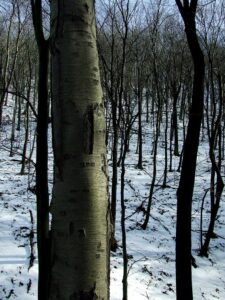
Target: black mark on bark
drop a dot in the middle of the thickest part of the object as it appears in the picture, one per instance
(88, 295)
(86, 7)
(82, 233)
(88, 137)
(104, 165)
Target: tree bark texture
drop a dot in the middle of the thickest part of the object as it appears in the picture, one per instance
(80, 211)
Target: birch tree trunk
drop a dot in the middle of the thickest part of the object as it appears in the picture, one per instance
(80, 211)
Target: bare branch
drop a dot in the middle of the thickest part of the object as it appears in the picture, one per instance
(186, 4)
(23, 97)
(193, 5)
(180, 6)
(208, 3)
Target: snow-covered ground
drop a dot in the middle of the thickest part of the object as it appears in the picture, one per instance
(151, 251)
(16, 202)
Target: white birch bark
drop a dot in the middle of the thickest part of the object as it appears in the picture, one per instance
(80, 238)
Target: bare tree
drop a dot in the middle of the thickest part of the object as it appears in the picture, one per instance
(186, 185)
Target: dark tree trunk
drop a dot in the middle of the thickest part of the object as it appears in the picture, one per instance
(27, 120)
(42, 155)
(23, 161)
(116, 117)
(19, 115)
(147, 95)
(217, 184)
(123, 218)
(42, 176)
(154, 173)
(128, 122)
(164, 185)
(114, 173)
(12, 138)
(159, 100)
(140, 142)
(174, 122)
(187, 179)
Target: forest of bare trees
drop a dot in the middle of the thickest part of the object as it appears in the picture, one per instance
(85, 89)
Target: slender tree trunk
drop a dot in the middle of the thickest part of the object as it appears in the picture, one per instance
(80, 208)
(18, 115)
(154, 173)
(174, 123)
(166, 145)
(26, 121)
(217, 183)
(12, 138)
(123, 218)
(43, 238)
(5, 67)
(117, 112)
(140, 138)
(127, 125)
(186, 185)
(42, 176)
(114, 173)
(171, 146)
(147, 95)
